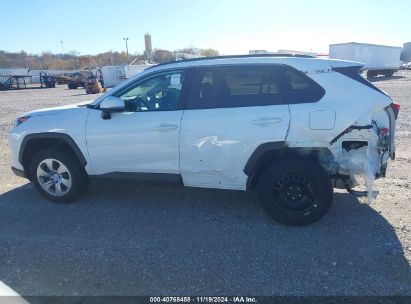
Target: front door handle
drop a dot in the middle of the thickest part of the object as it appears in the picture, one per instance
(166, 127)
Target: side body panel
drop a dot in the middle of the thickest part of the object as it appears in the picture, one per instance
(217, 143)
(220, 132)
(68, 121)
(348, 99)
(354, 105)
(134, 142)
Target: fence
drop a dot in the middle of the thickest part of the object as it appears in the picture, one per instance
(5, 73)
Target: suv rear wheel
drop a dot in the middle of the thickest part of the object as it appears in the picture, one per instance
(295, 192)
(58, 176)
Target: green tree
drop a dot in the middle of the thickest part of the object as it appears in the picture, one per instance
(209, 52)
(72, 60)
(161, 56)
(5, 61)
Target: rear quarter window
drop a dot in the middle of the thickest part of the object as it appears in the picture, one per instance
(302, 89)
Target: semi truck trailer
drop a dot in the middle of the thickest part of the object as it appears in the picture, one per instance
(377, 59)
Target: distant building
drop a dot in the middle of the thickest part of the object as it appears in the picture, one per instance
(293, 52)
(184, 56)
(148, 52)
(256, 52)
(406, 52)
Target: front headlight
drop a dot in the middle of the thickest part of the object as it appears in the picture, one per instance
(20, 120)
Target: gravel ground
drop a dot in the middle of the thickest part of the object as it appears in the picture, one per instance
(122, 239)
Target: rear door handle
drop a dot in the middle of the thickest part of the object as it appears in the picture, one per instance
(266, 121)
(165, 127)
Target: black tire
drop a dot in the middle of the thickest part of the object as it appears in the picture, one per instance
(389, 74)
(295, 192)
(371, 74)
(76, 174)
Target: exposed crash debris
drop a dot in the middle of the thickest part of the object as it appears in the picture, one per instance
(362, 165)
(348, 130)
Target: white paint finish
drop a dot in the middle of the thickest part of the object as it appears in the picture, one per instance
(217, 143)
(10, 296)
(349, 99)
(339, 63)
(210, 147)
(322, 120)
(69, 120)
(134, 141)
(112, 103)
(57, 110)
(14, 144)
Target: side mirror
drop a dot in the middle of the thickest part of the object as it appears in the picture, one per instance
(111, 104)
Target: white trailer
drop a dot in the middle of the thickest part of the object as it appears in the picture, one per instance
(377, 59)
(113, 75)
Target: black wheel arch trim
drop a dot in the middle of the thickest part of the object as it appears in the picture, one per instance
(19, 172)
(53, 135)
(259, 152)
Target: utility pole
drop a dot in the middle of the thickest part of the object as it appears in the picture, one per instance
(111, 57)
(62, 48)
(128, 57)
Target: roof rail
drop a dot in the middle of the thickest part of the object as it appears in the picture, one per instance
(232, 57)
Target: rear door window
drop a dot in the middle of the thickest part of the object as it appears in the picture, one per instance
(235, 86)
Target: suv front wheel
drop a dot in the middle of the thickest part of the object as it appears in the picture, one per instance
(57, 175)
(295, 192)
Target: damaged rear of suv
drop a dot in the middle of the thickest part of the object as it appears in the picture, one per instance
(349, 131)
(361, 151)
(292, 128)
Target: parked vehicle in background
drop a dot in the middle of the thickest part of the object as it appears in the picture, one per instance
(113, 75)
(406, 66)
(63, 78)
(47, 80)
(377, 59)
(406, 52)
(95, 83)
(77, 80)
(289, 127)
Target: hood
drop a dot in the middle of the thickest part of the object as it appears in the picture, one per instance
(57, 110)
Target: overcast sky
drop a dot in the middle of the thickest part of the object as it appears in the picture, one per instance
(230, 26)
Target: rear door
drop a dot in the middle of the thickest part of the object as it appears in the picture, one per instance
(231, 110)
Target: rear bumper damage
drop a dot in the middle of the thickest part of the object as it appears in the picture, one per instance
(361, 154)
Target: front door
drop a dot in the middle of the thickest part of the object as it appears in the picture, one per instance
(144, 138)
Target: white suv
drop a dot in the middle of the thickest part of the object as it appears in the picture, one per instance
(291, 127)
